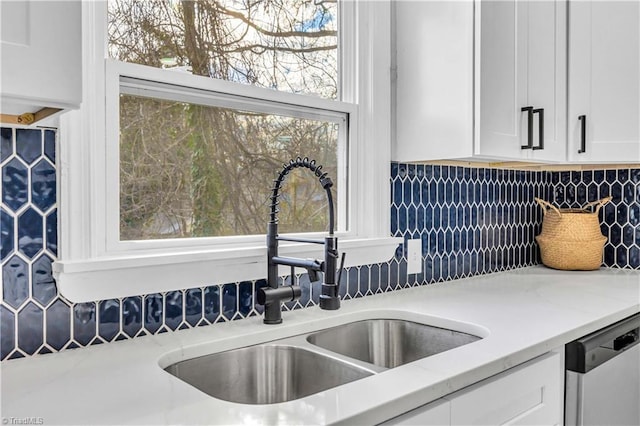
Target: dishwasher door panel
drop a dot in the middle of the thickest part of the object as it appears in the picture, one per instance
(607, 395)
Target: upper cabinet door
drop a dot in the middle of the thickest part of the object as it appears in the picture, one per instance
(41, 55)
(547, 77)
(604, 81)
(521, 70)
(433, 59)
(501, 71)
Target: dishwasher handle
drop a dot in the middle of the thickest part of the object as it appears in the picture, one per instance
(624, 341)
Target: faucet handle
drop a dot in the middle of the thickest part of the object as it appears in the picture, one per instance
(313, 275)
(341, 268)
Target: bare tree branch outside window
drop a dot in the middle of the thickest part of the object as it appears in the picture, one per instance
(189, 170)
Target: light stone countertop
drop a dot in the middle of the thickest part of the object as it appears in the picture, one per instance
(521, 314)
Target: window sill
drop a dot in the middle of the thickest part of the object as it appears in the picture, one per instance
(113, 277)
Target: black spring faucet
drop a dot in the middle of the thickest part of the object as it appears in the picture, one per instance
(272, 296)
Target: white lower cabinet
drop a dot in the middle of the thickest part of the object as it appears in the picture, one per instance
(528, 394)
(435, 413)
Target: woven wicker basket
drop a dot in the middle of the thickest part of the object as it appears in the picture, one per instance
(571, 238)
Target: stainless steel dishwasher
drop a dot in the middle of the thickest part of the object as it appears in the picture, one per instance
(603, 376)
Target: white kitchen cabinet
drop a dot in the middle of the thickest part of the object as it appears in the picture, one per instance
(436, 413)
(466, 69)
(604, 81)
(40, 55)
(528, 394)
(434, 85)
(521, 64)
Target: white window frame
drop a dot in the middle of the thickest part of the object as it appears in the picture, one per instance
(156, 83)
(94, 264)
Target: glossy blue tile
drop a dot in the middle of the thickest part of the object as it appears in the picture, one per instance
(30, 232)
(15, 282)
(634, 257)
(629, 192)
(440, 241)
(30, 328)
(352, 277)
(432, 242)
(7, 235)
(592, 192)
(598, 176)
(402, 273)
(14, 184)
(448, 192)
(245, 298)
(634, 214)
(406, 192)
(616, 192)
(43, 185)
(193, 306)
(581, 192)
(411, 218)
(374, 283)
(615, 234)
(153, 312)
(229, 301)
(51, 232)
(384, 277)
(433, 192)
(6, 143)
(58, 324)
(394, 221)
(394, 170)
(132, 315)
(402, 219)
(50, 145)
(43, 285)
(108, 319)
(84, 323)
(440, 193)
(436, 218)
(621, 256)
(7, 332)
(393, 275)
(29, 144)
(608, 214)
(396, 192)
(173, 310)
(402, 170)
(411, 170)
(448, 241)
(622, 214)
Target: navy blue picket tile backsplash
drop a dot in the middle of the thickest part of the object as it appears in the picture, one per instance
(470, 221)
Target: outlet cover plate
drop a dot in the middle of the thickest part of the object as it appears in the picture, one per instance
(414, 256)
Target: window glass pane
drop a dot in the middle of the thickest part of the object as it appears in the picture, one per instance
(190, 170)
(288, 45)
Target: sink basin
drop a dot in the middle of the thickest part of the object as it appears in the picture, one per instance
(389, 343)
(265, 374)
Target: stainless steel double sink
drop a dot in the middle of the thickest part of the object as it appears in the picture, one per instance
(295, 367)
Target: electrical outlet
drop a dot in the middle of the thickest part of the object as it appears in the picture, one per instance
(414, 256)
